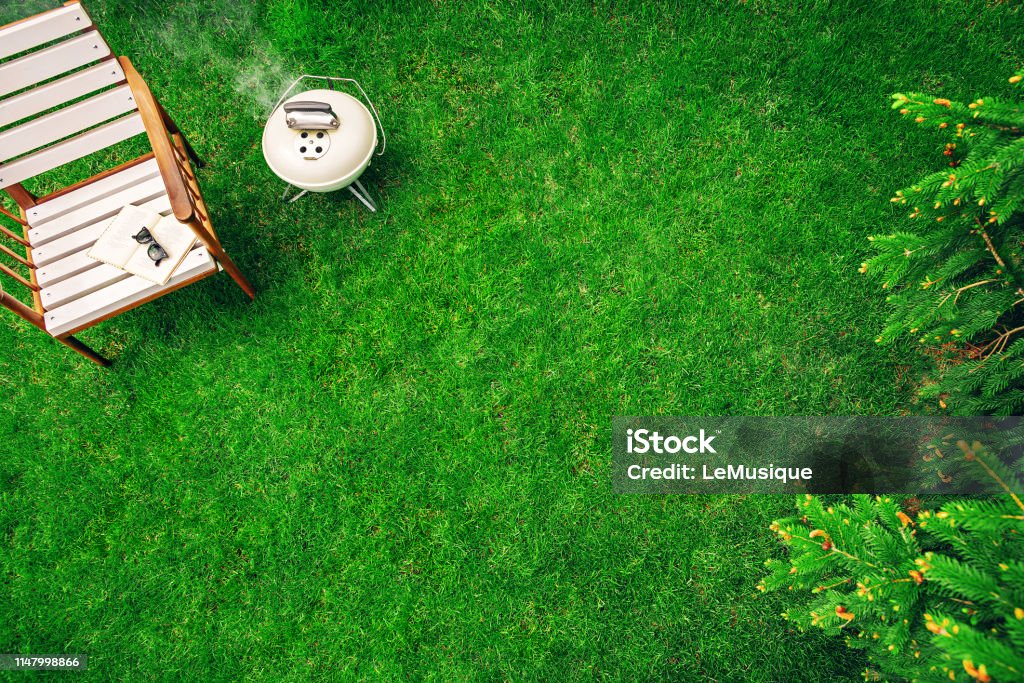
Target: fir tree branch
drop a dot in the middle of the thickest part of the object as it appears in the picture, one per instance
(960, 290)
(995, 126)
(962, 602)
(999, 343)
(845, 554)
(972, 454)
(830, 587)
(999, 259)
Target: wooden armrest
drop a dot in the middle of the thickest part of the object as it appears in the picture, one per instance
(160, 141)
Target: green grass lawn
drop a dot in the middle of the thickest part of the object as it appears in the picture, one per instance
(395, 463)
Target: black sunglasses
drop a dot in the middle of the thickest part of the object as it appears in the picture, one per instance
(155, 251)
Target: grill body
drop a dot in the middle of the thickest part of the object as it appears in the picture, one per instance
(319, 160)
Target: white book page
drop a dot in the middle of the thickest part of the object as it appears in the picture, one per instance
(117, 244)
(175, 238)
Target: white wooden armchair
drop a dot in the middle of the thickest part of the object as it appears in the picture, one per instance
(64, 96)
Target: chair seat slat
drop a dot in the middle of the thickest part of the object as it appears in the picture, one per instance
(81, 285)
(123, 295)
(101, 209)
(84, 237)
(85, 283)
(69, 266)
(50, 209)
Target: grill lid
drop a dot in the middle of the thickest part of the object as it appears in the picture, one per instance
(300, 146)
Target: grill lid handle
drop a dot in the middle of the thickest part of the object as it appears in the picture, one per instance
(310, 115)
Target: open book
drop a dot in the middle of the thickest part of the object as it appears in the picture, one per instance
(121, 244)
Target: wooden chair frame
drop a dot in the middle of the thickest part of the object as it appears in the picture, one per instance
(172, 154)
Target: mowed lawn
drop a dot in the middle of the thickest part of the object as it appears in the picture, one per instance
(395, 463)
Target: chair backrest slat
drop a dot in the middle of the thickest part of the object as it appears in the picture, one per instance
(58, 59)
(44, 130)
(58, 92)
(63, 96)
(69, 150)
(42, 28)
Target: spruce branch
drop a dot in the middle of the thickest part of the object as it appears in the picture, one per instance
(960, 290)
(1012, 272)
(971, 454)
(998, 344)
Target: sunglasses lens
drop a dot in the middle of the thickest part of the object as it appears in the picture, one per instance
(157, 253)
(143, 236)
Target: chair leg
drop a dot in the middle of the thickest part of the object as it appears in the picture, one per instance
(86, 351)
(235, 273)
(217, 251)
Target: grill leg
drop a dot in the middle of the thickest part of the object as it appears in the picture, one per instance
(284, 195)
(357, 189)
